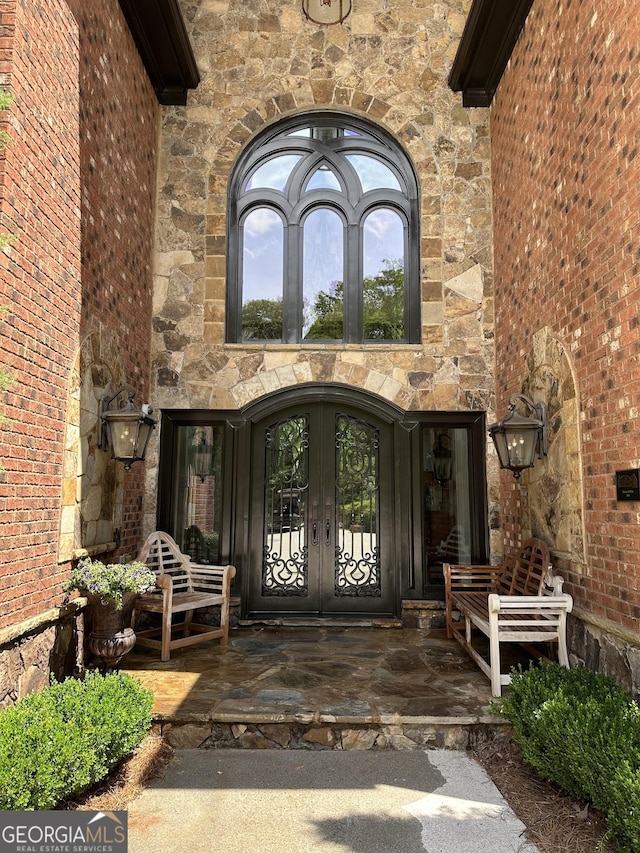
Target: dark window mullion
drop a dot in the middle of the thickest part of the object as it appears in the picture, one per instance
(352, 326)
(292, 295)
(412, 285)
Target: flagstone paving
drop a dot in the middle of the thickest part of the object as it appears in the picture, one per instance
(319, 687)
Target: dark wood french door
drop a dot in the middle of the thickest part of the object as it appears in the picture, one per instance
(321, 513)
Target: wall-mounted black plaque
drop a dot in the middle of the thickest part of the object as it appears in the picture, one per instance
(628, 485)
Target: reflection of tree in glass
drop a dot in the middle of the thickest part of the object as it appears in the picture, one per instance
(383, 307)
(356, 476)
(262, 320)
(327, 312)
(383, 303)
(383, 310)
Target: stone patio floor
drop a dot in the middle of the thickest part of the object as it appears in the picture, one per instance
(319, 687)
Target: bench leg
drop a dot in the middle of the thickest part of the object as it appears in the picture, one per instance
(186, 627)
(165, 651)
(563, 654)
(494, 656)
(224, 622)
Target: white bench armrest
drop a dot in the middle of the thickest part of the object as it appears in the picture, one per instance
(529, 603)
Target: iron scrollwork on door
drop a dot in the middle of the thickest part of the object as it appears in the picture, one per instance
(357, 499)
(285, 570)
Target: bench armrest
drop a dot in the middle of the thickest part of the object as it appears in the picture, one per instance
(530, 604)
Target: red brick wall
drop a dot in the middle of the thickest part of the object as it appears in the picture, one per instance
(77, 188)
(39, 284)
(119, 124)
(566, 183)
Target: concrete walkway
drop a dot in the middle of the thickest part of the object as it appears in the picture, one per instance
(333, 801)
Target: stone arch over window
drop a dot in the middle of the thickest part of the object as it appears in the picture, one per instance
(323, 241)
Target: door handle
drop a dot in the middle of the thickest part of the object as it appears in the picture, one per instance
(327, 540)
(314, 524)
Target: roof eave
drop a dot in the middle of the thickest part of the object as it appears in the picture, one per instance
(487, 42)
(161, 37)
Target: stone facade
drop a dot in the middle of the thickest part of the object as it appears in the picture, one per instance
(88, 188)
(389, 63)
(566, 211)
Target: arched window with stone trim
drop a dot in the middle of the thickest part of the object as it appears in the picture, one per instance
(323, 241)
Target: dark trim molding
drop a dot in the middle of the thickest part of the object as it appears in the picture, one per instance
(160, 35)
(488, 39)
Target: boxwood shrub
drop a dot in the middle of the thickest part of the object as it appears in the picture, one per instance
(579, 729)
(57, 743)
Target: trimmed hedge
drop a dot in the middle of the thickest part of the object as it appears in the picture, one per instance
(57, 743)
(582, 731)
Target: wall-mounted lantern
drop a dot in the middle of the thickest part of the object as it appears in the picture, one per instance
(517, 438)
(125, 428)
(326, 11)
(201, 452)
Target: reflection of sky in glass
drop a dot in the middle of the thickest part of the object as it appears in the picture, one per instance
(323, 179)
(262, 256)
(323, 258)
(306, 131)
(383, 240)
(372, 173)
(274, 173)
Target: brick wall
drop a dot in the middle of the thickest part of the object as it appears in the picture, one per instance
(77, 189)
(566, 186)
(119, 115)
(40, 285)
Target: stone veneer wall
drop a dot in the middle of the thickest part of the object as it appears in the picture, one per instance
(566, 180)
(389, 62)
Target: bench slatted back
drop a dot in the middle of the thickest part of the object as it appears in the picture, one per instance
(525, 575)
(161, 553)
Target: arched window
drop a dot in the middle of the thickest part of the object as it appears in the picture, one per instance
(323, 236)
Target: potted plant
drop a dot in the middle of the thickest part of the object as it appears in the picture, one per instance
(111, 591)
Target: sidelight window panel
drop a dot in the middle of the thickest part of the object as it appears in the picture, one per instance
(197, 491)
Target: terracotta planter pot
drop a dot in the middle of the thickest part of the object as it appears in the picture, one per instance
(111, 634)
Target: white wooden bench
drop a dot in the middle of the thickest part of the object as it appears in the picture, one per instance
(520, 601)
(182, 587)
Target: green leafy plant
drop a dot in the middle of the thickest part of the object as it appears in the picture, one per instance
(111, 581)
(59, 742)
(6, 102)
(582, 731)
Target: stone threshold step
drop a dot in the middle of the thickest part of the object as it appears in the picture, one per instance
(422, 733)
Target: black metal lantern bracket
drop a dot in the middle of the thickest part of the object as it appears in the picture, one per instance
(517, 439)
(126, 429)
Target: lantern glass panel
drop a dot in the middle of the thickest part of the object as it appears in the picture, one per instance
(521, 446)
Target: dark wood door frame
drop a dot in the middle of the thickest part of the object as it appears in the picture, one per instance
(407, 498)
